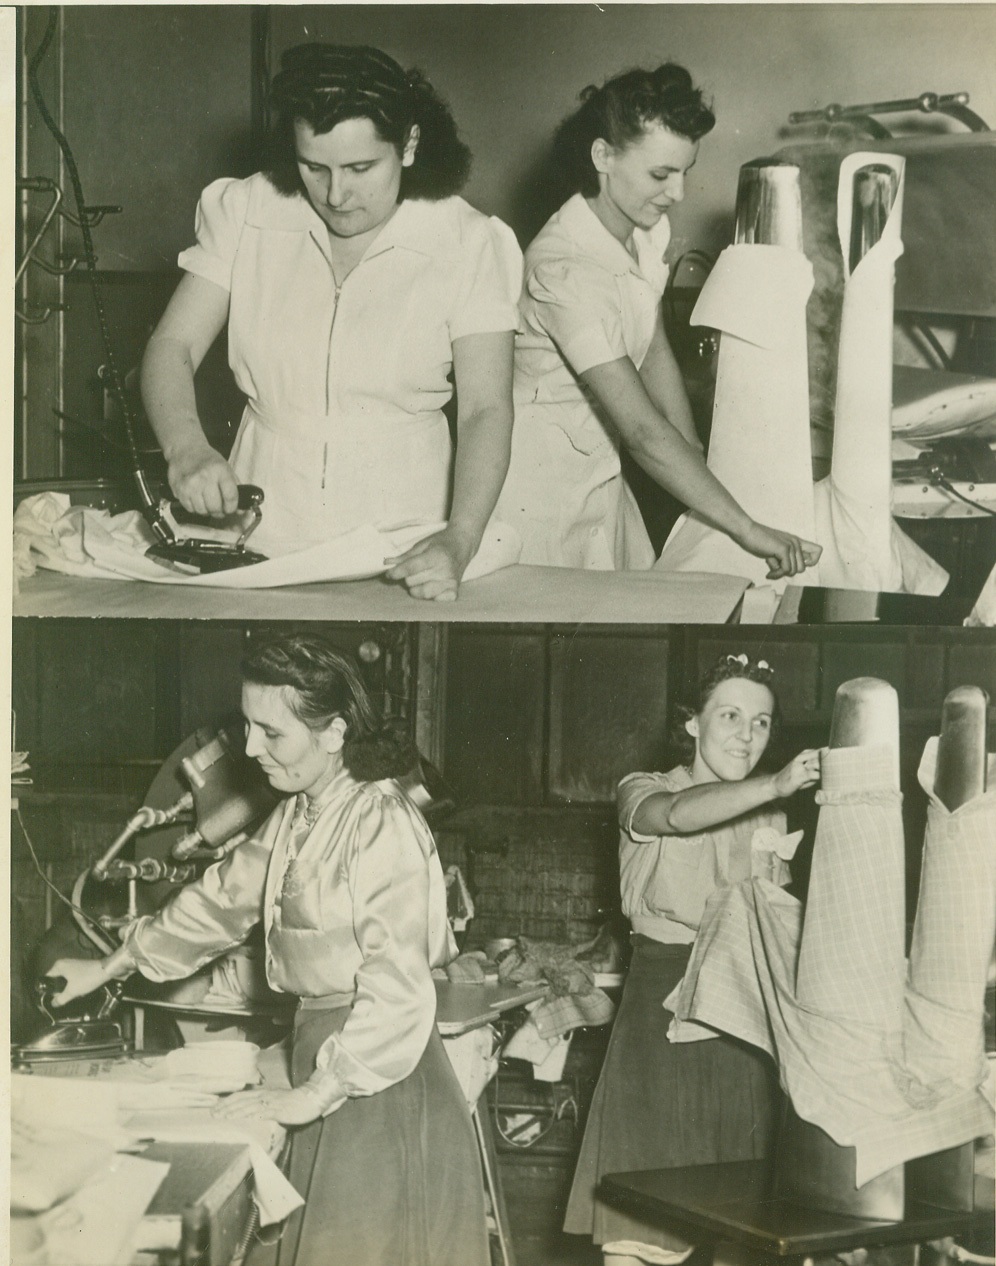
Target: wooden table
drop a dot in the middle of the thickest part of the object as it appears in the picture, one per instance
(732, 1202)
(540, 595)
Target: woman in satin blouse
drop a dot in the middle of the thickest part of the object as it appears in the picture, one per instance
(345, 878)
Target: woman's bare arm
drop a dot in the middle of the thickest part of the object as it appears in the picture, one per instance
(671, 461)
(482, 367)
(711, 804)
(198, 474)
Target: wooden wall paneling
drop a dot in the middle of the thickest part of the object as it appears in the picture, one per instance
(795, 662)
(96, 692)
(158, 104)
(609, 696)
(865, 656)
(210, 683)
(495, 715)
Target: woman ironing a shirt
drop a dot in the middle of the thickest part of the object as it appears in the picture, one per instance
(353, 280)
(593, 369)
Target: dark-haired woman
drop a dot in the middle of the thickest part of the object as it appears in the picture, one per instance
(353, 281)
(684, 833)
(346, 880)
(593, 369)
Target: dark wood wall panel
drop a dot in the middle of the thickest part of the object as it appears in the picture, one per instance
(609, 698)
(495, 716)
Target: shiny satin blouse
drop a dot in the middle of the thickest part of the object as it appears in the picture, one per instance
(353, 901)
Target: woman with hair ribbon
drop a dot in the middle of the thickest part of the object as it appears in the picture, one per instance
(593, 369)
(706, 824)
(345, 878)
(359, 292)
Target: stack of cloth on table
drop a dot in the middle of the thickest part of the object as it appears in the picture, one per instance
(885, 1057)
(79, 1184)
(572, 1000)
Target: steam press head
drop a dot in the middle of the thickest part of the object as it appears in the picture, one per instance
(961, 750)
(866, 714)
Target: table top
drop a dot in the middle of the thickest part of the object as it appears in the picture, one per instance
(460, 1007)
(732, 1202)
(519, 594)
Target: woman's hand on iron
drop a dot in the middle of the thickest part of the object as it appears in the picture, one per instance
(802, 771)
(432, 568)
(82, 976)
(288, 1107)
(785, 554)
(203, 481)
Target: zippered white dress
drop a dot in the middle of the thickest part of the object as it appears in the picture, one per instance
(346, 385)
(586, 301)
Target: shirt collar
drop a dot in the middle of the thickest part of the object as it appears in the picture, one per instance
(414, 226)
(310, 808)
(595, 240)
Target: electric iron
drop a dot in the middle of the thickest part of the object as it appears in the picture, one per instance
(193, 553)
(83, 1037)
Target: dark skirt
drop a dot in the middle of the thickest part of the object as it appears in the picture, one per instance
(391, 1179)
(660, 1104)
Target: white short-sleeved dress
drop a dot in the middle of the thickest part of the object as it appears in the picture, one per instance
(346, 385)
(586, 301)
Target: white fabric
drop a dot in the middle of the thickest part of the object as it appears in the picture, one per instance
(346, 386)
(983, 614)
(953, 936)
(85, 542)
(863, 547)
(585, 302)
(759, 446)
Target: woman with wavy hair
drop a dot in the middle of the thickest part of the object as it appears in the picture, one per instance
(683, 834)
(345, 879)
(359, 291)
(593, 369)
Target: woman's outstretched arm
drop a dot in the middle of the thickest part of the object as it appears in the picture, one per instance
(711, 804)
(666, 455)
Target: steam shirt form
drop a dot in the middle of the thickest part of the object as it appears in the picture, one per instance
(585, 302)
(346, 385)
(353, 901)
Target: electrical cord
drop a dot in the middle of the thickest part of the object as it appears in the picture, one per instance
(942, 481)
(78, 911)
(114, 374)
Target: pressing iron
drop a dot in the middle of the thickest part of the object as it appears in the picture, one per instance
(199, 554)
(83, 1037)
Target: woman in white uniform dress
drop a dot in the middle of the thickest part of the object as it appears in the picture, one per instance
(353, 282)
(345, 878)
(593, 369)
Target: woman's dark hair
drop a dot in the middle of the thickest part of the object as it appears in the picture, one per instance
(620, 110)
(726, 668)
(326, 84)
(329, 685)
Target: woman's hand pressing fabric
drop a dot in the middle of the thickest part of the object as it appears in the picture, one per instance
(432, 568)
(288, 1107)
